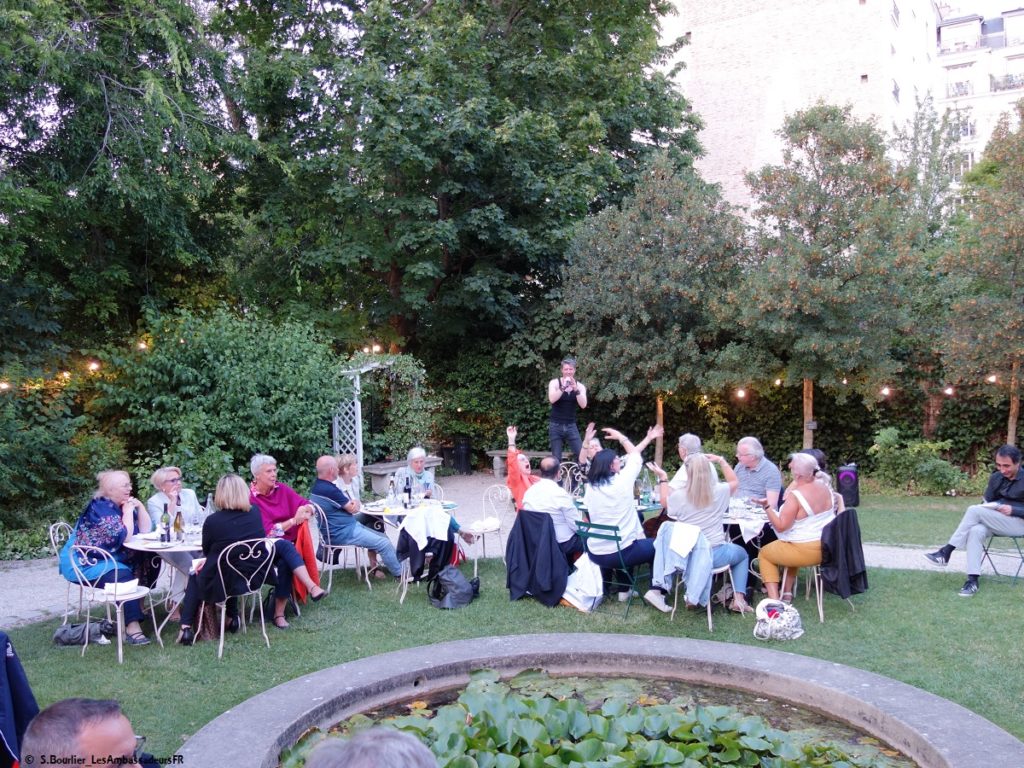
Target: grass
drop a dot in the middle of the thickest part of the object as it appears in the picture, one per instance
(924, 521)
(910, 626)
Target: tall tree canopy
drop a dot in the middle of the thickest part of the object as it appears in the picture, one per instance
(424, 163)
(988, 317)
(110, 165)
(643, 286)
(824, 291)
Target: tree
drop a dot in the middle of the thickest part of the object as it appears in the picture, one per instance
(824, 293)
(425, 164)
(111, 166)
(987, 333)
(642, 286)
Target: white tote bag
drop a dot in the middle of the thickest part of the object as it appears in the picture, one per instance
(585, 588)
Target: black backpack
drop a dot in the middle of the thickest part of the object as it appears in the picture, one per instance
(450, 589)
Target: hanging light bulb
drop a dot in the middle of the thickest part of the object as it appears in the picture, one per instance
(948, 391)
(741, 393)
(94, 366)
(886, 391)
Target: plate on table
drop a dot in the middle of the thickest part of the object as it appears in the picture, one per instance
(159, 544)
(151, 536)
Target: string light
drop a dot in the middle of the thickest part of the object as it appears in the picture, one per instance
(844, 380)
(366, 350)
(143, 346)
(66, 375)
(741, 393)
(948, 391)
(886, 391)
(376, 348)
(778, 382)
(4, 386)
(94, 366)
(991, 379)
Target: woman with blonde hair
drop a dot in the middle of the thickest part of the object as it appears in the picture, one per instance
(704, 502)
(808, 508)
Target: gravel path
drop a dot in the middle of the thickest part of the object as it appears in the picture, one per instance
(32, 591)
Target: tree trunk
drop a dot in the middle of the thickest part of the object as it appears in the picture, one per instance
(933, 402)
(808, 412)
(1011, 422)
(659, 443)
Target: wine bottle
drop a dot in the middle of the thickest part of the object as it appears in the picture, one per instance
(165, 525)
(408, 491)
(179, 523)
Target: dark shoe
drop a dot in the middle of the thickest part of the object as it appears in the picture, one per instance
(136, 638)
(317, 598)
(938, 557)
(969, 589)
(186, 636)
(233, 625)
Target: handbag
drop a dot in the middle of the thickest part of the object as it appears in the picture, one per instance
(585, 587)
(777, 620)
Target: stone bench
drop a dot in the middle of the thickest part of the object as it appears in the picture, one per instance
(382, 470)
(499, 460)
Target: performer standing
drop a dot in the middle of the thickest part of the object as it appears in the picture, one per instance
(565, 395)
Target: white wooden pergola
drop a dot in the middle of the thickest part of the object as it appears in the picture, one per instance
(347, 424)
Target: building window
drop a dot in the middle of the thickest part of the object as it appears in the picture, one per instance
(961, 164)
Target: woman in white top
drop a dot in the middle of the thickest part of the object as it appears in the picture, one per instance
(808, 508)
(703, 502)
(609, 500)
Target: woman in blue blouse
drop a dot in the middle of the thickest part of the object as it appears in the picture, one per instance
(112, 516)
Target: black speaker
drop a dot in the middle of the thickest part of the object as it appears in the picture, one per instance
(849, 485)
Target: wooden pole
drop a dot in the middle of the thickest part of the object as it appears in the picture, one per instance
(808, 412)
(1011, 423)
(659, 443)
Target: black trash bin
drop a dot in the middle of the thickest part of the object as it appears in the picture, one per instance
(463, 455)
(448, 456)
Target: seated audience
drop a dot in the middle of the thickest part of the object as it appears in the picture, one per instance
(759, 478)
(167, 481)
(808, 508)
(1001, 514)
(704, 502)
(609, 500)
(83, 732)
(519, 474)
(549, 497)
(112, 516)
(280, 505)
(819, 456)
(236, 519)
(421, 478)
(344, 527)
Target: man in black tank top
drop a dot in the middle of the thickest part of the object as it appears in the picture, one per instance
(565, 395)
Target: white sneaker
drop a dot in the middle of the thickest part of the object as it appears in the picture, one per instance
(624, 596)
(655, 598)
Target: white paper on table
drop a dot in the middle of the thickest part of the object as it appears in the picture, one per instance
(684, 538)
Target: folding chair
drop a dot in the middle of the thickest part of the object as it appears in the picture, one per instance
(332, 552)
(596, 531)
(986, 555)
(83, 556)
(242, 568)
(60, 532)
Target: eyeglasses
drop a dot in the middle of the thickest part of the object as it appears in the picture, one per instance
(140, 742)
(173, 480)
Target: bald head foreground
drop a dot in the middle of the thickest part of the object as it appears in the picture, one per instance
(80, 732)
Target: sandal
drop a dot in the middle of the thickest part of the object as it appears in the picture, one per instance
(787, 598)
(136, 638)
(377, 572)
(280, 622)
(740, 605)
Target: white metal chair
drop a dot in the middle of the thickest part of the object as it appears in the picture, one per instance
(679, 583)
(331, 556)
(243, 568)
(571, 477)
(819, 588)
(60, 532)
(437, 492)
(498, 515)
(83, 558)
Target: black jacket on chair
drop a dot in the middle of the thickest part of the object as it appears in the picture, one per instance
(842, 556)
(536, 564)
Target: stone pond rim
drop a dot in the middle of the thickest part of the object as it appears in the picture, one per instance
(932, 731)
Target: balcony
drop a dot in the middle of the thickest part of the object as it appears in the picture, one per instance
(1006, 82)
(962, 88)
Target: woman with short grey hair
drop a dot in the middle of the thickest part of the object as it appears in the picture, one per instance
(373, 748)
(416, 472)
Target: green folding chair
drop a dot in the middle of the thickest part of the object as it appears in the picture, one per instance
(591, 531)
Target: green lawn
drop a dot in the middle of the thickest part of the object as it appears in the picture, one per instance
(910, 625)
(910, 520)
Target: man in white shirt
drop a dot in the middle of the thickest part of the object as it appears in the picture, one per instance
(688, 443)
(549, 497)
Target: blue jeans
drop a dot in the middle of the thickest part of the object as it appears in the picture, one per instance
(361, 536)
(640, 551)
(735, 556)
(560, 433)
